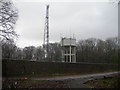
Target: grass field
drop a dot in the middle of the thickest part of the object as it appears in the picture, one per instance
(108, 82)
(31, 84)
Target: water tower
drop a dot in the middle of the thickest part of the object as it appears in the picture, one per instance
(68, 49)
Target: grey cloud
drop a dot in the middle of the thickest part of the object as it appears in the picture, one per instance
(85, 20)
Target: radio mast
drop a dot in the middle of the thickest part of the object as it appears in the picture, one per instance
(46, 34)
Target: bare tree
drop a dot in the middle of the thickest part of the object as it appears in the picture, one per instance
(8, 18)
(97, 51)
(9, 50)
(39, 54)
(29, 52)
(54, 52)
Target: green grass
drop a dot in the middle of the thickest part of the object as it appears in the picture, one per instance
(34, 84)
(105, 83)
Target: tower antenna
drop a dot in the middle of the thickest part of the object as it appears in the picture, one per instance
(46, 34)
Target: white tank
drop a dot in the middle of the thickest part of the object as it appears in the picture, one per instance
(68, 42)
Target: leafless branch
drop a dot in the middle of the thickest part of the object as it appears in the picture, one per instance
(8, 18)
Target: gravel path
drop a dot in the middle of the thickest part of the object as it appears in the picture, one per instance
(77, 76)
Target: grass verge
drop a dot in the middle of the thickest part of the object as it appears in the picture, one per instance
(108, 82)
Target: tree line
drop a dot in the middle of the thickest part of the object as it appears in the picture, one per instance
(97, 50)
(89, 50)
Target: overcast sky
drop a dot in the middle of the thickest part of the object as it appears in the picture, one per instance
(83, 19)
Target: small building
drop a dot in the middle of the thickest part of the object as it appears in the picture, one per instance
(68, 50)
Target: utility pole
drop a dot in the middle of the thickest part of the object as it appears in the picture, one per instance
(46, 34)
